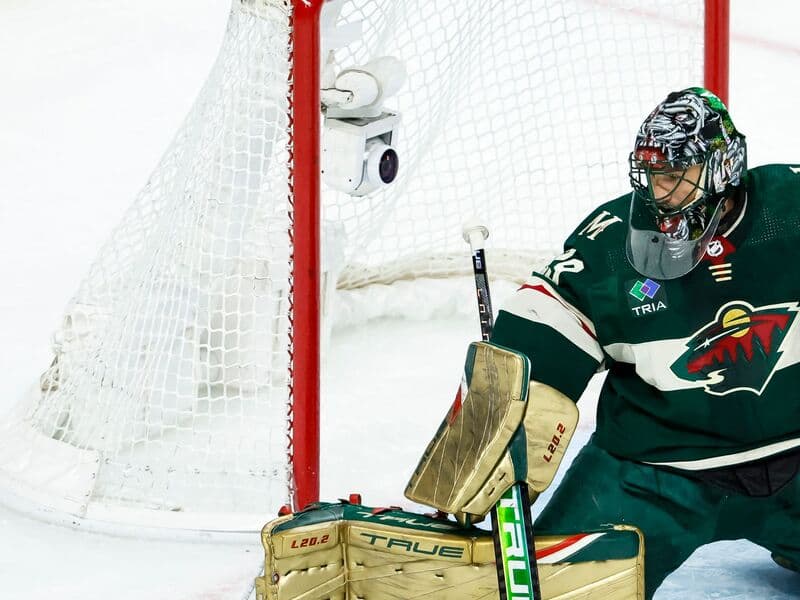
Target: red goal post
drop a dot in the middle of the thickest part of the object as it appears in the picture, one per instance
(306, 260)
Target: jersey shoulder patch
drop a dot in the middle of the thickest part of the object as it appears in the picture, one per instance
(610, 217)
(598, 224)
(601, 233)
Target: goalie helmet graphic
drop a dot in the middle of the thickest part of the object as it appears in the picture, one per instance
(687, 159)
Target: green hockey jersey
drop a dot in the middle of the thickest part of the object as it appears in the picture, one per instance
(703, 370)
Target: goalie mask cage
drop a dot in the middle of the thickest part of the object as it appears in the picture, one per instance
(184, 389)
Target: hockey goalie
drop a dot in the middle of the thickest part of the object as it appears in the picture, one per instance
(697, 433)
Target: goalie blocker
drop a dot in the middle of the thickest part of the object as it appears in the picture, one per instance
(342, 551)
(502, 428)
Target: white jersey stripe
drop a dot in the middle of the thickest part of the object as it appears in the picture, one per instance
(652, 361)
(728, 460)
(539, 302)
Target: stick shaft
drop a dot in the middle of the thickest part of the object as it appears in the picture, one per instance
(512, 525)
(482, 289)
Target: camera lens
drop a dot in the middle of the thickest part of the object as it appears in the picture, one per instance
(388, 165)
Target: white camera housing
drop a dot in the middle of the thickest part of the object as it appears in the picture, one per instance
(361, 91)
(358, 156)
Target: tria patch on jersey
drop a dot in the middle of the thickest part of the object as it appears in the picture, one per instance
(645, 297)
(739, 350)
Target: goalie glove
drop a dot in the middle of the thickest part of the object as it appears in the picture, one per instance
(502, 428)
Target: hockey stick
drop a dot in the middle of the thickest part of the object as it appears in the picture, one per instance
(512, 526)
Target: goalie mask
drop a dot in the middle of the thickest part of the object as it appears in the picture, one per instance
(687, 160)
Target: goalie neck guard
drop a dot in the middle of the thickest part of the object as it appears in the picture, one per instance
(687, 160)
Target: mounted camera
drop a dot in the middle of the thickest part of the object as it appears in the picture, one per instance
(358, 153)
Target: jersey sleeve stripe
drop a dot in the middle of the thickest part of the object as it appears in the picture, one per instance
(539, 302)
(585, 324)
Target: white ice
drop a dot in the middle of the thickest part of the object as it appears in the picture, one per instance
(92, 92)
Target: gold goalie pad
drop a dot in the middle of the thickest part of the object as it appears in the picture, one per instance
(501, 429)
(343, 551)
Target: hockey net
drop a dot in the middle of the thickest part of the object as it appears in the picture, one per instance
(169, 398)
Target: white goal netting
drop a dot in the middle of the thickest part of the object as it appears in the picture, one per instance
(167, 402)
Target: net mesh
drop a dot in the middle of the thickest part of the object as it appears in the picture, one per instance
(170, 377)
(520, 114)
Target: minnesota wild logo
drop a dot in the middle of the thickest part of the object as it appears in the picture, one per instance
(739, 350)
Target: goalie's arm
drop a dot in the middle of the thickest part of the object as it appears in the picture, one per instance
(477, 454)
(546, 319)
